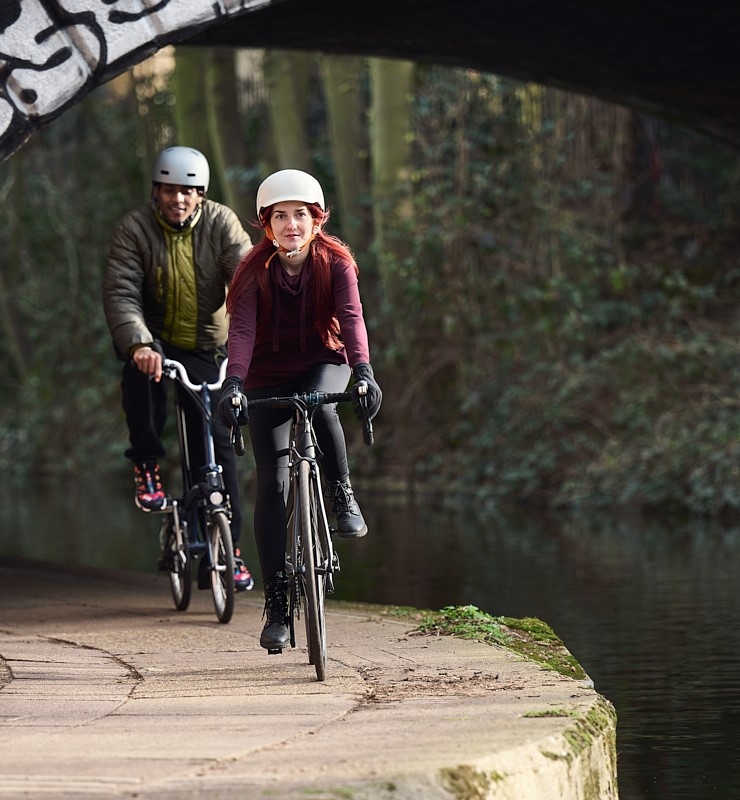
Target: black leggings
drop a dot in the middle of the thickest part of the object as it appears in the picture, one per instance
(269, 431)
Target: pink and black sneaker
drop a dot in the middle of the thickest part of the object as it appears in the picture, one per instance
(243, 580)
(150, 495)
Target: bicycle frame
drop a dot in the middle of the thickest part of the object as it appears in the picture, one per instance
(201, 518)
(303, 447)
(211, 488)
(310, 561)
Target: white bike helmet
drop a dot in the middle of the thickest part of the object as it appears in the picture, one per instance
(289, 184)
(182, 166)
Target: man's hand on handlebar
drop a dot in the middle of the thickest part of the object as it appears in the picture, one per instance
(149, 361)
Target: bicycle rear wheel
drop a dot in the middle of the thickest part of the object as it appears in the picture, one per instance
(221, 550)
(177, 564)
(313, 580)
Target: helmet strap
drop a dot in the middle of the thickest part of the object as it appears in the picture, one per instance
(294, 253)
(281, 249)
(180, 226)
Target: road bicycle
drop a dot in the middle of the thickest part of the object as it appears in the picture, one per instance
(311, 562)
(197, 526)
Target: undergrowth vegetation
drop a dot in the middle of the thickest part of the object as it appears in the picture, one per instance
(562, 329)
(575, 341)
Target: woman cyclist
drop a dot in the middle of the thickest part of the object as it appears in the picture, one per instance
(296, 326)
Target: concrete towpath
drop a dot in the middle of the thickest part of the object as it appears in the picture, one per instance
(107, 691)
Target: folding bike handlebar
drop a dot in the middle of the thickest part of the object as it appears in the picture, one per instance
(172, 369)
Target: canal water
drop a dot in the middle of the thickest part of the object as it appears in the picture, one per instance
(650, 608)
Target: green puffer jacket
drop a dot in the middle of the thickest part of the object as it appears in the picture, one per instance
(141, 299)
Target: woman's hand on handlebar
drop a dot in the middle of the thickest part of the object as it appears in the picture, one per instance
(366, 399)
(232, 407)
(373, 396)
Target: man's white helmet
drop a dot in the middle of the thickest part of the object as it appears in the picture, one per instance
(289, 184)
(182, 166)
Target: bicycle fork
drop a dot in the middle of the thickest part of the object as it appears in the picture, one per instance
(307, 445)
(180, 528)
(330, 559)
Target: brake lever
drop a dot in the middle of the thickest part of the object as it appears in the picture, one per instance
(367, 424)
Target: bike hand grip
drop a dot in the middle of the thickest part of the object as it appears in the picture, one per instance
(367, 424)
(237, 441)
(367, 432)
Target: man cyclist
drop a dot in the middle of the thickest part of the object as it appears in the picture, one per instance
(164, 293)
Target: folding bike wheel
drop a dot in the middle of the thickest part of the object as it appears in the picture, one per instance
(178, 561)
(221, 552)
(313, 580)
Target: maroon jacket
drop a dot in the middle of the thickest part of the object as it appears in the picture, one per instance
(291, 344)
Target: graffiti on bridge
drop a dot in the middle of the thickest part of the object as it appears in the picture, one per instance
(53, 52)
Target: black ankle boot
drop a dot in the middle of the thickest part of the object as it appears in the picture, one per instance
(276, 633)
(350, 522)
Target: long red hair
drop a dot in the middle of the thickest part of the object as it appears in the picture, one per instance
(323, 250)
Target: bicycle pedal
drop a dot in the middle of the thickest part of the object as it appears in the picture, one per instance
(166, 506)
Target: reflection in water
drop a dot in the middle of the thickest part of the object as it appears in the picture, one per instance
(67, 525)
(649, 609)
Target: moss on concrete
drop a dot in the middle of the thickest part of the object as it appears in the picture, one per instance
(529, 637)
(598, 727)
(466, 783)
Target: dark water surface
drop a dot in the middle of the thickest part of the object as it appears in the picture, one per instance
(649, 608)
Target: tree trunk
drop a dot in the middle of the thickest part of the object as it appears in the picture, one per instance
(191, 64)
(195, 111)
(342, 79)
(225, 133)
(231, 135)
(390, 150)
(287, 79)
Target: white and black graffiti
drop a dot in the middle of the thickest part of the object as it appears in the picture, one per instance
(52, 52)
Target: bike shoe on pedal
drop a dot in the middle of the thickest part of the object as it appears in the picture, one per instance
(350, 522)
(276, 633)
(243, 580)
(150, 495)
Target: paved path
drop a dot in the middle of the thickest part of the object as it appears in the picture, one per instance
(107, 691)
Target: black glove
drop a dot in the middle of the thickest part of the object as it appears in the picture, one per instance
(374, 397)
(231, 412)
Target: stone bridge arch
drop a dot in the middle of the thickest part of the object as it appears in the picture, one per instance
(678, 61)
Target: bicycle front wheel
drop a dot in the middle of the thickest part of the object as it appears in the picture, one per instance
(176, 562)
(221, 550)
(313, 578)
